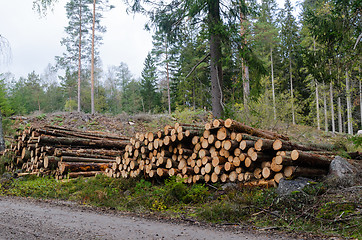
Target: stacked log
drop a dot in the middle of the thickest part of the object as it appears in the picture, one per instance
(64, 152)
(221, 151)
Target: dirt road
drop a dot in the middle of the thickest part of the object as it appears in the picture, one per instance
(33, 219)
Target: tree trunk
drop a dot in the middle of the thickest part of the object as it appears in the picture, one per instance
(340, 127)
(272, 79)
(325, 108)
(317, 105)
(168, 82)
(291, 87)
(80, 52)
(2, 141)
(332, 107)
(215, 58)
(92, 61)
(349, 108)
(360, 95)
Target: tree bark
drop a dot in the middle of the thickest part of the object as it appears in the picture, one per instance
(291, 87)
(325, 108)
(340, 127)
(92, 61)
(317, 105)
(332, 107)
(2, 141)
(80, 52)
(272, 79)
(215, 58)
(349, 105)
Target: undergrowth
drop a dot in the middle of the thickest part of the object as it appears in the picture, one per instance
(308, 211)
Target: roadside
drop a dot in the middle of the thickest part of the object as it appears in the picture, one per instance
(24, 218)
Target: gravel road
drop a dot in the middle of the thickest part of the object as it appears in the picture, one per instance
(22, 218)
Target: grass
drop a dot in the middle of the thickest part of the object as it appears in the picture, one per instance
(312, 211)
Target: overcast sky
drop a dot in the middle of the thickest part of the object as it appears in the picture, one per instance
(35, 41)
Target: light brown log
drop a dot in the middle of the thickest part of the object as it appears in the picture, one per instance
(297, 171)
(224, 177)
(267, 173)
(246, 144)
(205, 143)
(248, 162)
(203, 153)
(260, 157)
(51, 162)
(233, 176)
(188, 170)
(82, 142)
(278, 176)
(248, 176)
(65, 167)
(84, 174)
(242, 128)
(230, 144)
(217, 144)
(206, 160)
(161, 172)
(25, 154)
(261, 183)
(229, 167)
(208, 168)
(214, 177)
(241, 177)
(289, 146)
(257, 173)
(218, 123)
(222, 134)
(237, 152)
(218, 169)
(80, 159)
(264, 144)
(276, 167)
(207, 178)
(236, 161)
(218, 161)
(173, 171)
(311, 159)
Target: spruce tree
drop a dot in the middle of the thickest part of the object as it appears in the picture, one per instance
(148, 84)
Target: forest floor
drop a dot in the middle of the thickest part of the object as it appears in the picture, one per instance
(324, 214)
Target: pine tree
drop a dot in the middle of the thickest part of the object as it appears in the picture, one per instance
(289, 38)
(148, 84)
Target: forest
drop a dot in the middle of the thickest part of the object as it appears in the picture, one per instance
(246, 59)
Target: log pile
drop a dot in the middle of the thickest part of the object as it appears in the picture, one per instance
(220, 151)
(63, 152)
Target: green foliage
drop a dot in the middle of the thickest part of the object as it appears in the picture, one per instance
(70, 105)
(188, 115)
(356, 140)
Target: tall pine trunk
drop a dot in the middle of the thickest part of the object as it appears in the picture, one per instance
(2, 141)
(272, 79)
(360, 93)
(332, 107)
(317, 105)
(349, 106)
(215, 58)
(244, 68)
(168, 81)
(340, 122)
(92, 61)
(291, 86)
(80, 52)
(325, 108)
